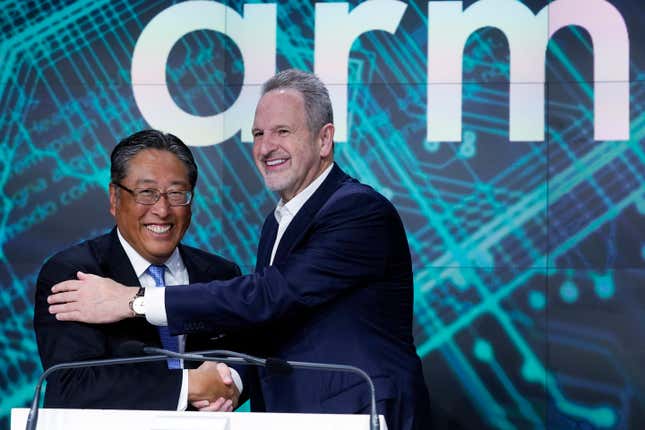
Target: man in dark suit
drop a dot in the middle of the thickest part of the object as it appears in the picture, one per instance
(333, 281)
(149, 226)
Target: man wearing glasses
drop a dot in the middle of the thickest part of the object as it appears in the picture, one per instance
(153, 177)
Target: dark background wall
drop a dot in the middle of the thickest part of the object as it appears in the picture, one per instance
(528, 253)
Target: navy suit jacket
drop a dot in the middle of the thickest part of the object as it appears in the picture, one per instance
(339, 291)
(137, 386)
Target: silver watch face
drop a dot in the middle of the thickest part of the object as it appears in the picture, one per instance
(138, 306)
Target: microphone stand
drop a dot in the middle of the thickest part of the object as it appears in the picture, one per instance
(276, 365)
(230, 357)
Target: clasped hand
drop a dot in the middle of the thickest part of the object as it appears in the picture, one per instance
(211, 388)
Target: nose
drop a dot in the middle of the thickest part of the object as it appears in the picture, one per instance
(264, 144)
(161, 207)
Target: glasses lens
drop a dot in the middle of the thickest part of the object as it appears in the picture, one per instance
(147, 196)
(178, 198)
(150, 196)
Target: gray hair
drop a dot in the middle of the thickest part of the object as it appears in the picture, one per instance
(129, 147)
(317, 102)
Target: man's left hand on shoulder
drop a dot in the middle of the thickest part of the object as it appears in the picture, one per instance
(90, 299)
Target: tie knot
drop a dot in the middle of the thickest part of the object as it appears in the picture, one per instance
(157, 273)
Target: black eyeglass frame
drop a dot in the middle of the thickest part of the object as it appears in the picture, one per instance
(136, 194)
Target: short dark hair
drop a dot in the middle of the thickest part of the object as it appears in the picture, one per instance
(317, 102)
(129, 147)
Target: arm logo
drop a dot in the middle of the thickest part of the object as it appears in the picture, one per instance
(449, 26)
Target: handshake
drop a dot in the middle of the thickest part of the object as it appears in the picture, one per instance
(211, 388)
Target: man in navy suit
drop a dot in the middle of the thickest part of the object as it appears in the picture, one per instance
(149, 226)
(333, 280)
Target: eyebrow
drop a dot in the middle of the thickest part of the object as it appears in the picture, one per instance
(274, 127)
(153, 182)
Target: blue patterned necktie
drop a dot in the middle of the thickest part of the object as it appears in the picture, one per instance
(168, 341)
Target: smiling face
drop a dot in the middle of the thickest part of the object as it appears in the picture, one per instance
(287, 154)
(153, 230)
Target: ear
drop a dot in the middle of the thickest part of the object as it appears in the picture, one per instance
(326, 136)
(113, 199)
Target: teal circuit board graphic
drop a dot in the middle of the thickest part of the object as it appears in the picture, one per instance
(528, 255)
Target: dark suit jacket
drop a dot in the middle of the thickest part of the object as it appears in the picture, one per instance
(339, 291)
(137, 386)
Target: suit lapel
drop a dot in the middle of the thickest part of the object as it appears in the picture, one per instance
(306, 214)
(192, 266)
(198, 269)
(116, 265)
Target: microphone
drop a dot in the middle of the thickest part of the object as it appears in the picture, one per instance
(136, 348)
(275, 365)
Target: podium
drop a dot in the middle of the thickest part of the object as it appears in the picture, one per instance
(111, 419)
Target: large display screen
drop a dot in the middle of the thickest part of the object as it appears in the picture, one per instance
(509, 135)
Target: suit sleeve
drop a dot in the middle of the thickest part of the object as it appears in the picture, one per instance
(351, 243)
(134, 386)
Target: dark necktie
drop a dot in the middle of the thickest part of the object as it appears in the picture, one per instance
(168, 341)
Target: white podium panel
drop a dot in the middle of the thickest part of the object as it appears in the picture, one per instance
(111, 419)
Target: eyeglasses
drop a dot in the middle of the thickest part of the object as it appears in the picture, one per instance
(150, 196)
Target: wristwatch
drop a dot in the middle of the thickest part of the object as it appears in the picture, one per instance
(137, 304)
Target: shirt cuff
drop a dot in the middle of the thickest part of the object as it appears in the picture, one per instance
(155, 302)
(182, 405)
(237, 380)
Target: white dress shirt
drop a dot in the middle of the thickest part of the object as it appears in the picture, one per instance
(175, 274)
(285, 212)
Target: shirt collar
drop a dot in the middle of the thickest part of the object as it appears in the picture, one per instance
(292, 207)
(140, 264)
